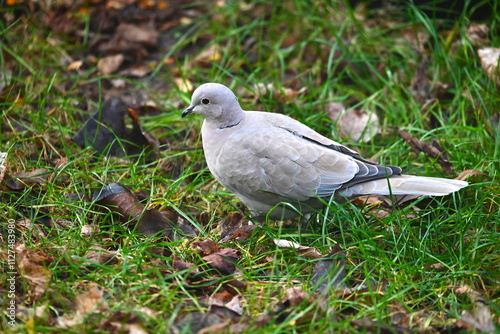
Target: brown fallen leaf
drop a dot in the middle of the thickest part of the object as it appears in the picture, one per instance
(421, 85)
(75, 65)
(466, 174)
(329, 272)
(184, 85)
(108, 134)
(23, 180)
(197, 322)
(358, 125)
(206, 247)
(32, 266)
(480, 318)
(434, 151)
(305, 251)
(119, 199)
(226, 300)
(3, 164)
(283, 94)
(477, 34)
(136, 71)
(101, 255)
(85, 303)
(89, 230)
(235, 227)
(35, 229)
(223, 261)
(110, 64)
(207, 56)
(127, 322)
(131, 39)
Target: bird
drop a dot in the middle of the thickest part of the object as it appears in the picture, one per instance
(282, 169)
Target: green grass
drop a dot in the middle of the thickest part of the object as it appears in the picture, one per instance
(408, 264)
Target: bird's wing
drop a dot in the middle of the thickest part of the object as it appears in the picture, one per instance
(274, 154)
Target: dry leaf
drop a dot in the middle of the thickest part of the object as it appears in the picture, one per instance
(489, 62)
(34, 228)
(357, 125)
(434, 151)
(117, 198)
(211, 54)
(206, 247)
(480, 318)
(184, 85)
(469, 173)
(89, 230)
(32, 265)
(110, 64)
(74, 66)
(3, 164)
(284, 94)
(235, 227)
(477, 34)
(302, 250)
(329, 272)
(223, 261)
(101, 255)
(334, 110)
(23, 180)
(137, 71)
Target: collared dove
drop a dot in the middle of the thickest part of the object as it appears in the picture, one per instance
(281, 167)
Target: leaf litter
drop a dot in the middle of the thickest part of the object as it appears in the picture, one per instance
(130, 33)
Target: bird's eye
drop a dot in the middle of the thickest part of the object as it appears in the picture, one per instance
(205, 101)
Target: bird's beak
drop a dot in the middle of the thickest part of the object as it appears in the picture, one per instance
(187, 111)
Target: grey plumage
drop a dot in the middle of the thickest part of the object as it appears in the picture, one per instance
(268, 158)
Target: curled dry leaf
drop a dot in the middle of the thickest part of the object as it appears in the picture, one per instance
(302, 250)
(283, 94)
(119, 199)
(23, 180)
(89, 230)
(477, 34)
(223, 261)
(358, 125)
(466, 174)
(136, 71)
(127, 322)
(131, 39)
(209, 55)
(480, 318)
(3, 164)
(235, 227)
(75, 65)
(110, 64)
(206, 247)
(221, 300)
(85, 303)
(434, 151)
(35, 229)
(196, 322)
(489, 62)
(101, 255)
(184, 85)
(329, 272)
(32, 265)
(108, 134)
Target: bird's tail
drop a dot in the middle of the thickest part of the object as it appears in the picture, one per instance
(406, 185)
